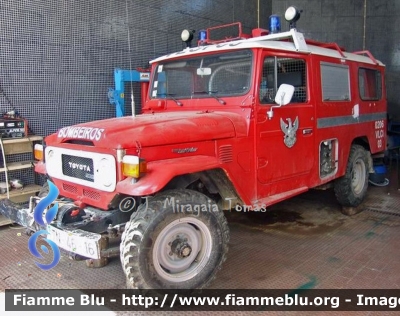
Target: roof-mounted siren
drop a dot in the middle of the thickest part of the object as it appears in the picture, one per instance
(187, 36)
(274, 24)
(292, 15)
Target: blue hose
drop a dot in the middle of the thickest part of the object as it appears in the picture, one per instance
(383, 184)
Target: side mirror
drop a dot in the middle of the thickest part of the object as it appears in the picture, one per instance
(283, 97)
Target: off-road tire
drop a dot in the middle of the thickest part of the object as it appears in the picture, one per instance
(147, 237)
(351, 189)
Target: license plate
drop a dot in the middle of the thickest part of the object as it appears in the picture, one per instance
(77, 241)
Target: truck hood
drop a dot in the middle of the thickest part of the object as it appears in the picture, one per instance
(154, 129)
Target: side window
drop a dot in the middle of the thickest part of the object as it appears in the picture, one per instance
(283, 70)
(369, 84)
(268, 82)
(335, 82)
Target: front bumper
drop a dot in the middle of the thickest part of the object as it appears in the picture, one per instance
(94, 237)
(18, 214)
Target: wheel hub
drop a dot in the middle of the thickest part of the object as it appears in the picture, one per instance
(358, 176)
(181, 248)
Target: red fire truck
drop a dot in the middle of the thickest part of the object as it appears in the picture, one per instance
(245, 121)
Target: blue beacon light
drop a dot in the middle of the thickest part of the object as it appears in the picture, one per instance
(202, 37)
(274, 24)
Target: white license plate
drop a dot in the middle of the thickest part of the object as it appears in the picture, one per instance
(78, 241)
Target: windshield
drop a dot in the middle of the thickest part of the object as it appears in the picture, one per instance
(226, 74)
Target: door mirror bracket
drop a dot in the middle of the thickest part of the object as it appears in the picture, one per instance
(283, 97)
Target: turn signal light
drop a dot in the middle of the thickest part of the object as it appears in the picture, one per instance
(133, 166)
(38, 152)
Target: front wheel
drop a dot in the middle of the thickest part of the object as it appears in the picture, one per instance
(177, 240)
(351, 189)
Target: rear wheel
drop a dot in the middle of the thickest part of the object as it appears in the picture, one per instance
(177, 240)
(351, 189)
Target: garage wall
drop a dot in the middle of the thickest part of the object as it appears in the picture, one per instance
(57, 56)
(342, 21)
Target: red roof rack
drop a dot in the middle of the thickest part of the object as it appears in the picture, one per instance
(368, 53)
(223, 33)
(234, 31)
(335, 46)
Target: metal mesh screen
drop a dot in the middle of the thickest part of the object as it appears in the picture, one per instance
(232, 79)
(137, 98)
(94, 195)
(179, 83)
(57, 57)
(277, 71)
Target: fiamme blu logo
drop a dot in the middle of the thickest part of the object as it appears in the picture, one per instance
(51, 213)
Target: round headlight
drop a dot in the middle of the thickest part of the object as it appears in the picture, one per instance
(292, 14)
(187, 35)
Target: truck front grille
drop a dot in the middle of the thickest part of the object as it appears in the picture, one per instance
(93, 195)
(82, 168)
(70, 188)
(78, 167)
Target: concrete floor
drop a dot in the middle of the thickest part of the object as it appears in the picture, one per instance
(303, 241)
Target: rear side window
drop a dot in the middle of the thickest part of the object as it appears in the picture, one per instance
(335, 82)
(369, 84)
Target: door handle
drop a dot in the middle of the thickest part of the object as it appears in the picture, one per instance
(307, 131)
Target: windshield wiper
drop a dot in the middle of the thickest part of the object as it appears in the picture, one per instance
(170, 96)
(210, 93)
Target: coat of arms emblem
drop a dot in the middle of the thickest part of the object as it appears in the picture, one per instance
(289, 130)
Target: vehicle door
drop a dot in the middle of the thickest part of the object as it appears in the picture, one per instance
(284, 142)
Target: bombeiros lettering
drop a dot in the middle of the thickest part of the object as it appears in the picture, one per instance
(90, 133)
